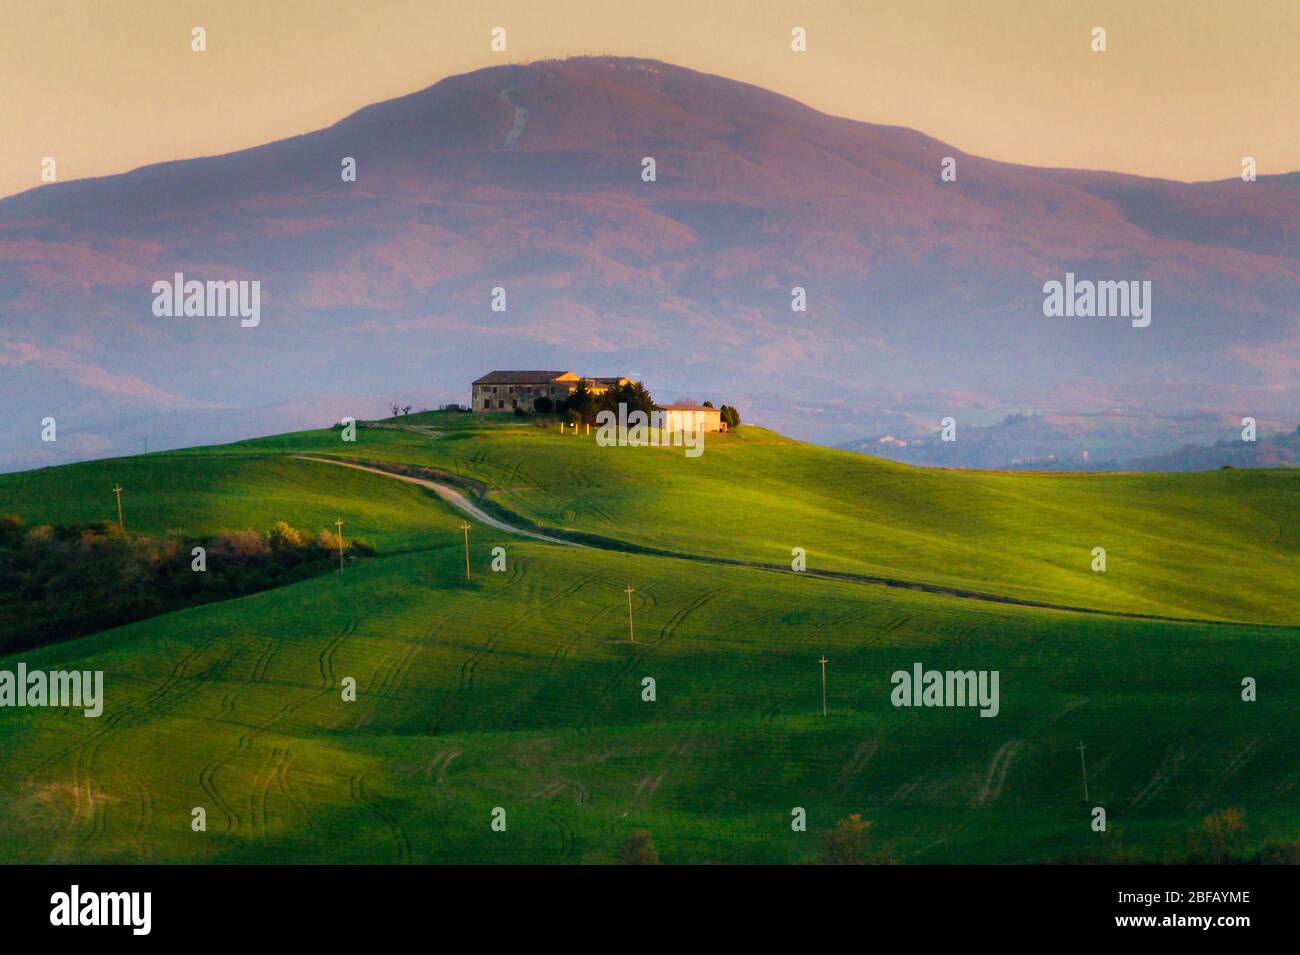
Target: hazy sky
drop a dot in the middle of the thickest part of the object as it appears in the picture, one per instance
(1184, 91)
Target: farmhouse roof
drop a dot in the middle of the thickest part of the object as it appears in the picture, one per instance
(519, 377)
(688, 408)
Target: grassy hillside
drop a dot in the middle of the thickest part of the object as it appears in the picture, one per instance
(1221, 545)
(204, 493)
(520, 689)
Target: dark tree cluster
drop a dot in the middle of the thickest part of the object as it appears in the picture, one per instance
(582, 406)
(57, 583)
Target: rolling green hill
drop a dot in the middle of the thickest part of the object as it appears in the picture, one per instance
(1223, 545)
(520, 689)
(204, 493)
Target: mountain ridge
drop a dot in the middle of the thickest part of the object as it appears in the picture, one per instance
(922, 294)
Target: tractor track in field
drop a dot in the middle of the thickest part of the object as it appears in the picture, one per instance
(858, 762)
(286, 790)
(244, 744)
(642, 650)
(434, 725)
(111, 724)
(396, 672)
(561, 651)
(89, 746)
(564, 646)
(357, 790)
(521, 527)
(145, 822)
(996, 777)
(259, 796)
(1194, 745)
(442, 760)
(552, 791)
(263, 662)
(207, 783)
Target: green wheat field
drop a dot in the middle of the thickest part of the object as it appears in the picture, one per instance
(520, 688)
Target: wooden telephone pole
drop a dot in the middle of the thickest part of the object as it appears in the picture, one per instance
(465, 527)
(630, 632)
(823, 663)
(339, 525)
(117, 489)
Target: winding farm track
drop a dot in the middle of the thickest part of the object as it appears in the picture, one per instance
(452, 497)
(462, 503)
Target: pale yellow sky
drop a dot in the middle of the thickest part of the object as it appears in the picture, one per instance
(1184, 91)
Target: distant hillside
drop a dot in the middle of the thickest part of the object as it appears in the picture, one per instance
(1137, 441)
(1269, 451)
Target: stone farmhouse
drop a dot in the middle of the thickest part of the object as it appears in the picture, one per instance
(506, 390)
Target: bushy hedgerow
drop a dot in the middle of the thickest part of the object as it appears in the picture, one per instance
(61, 582)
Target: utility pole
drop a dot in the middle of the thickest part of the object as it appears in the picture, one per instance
(117, 489)
(339, 525)
(464, 525)
(823, 663)
(630, 632)
(1084, 764)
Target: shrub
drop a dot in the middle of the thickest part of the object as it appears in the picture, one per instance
(241, 545)
(328, 540)
(639, 849)
(543, 405)
(11, 527)
(851, 844)
(1221, 830)
(39, 536)
(283, 537)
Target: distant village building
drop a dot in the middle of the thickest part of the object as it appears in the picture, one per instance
(506, 390)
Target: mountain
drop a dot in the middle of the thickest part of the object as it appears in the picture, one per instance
(925, 297)
(1126, 441)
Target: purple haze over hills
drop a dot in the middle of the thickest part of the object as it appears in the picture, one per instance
(924, 297)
